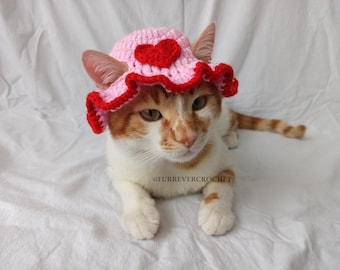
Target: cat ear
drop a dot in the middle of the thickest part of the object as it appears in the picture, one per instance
(203, 47)
(102, 68)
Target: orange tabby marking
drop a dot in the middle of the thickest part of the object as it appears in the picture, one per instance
(271, 125)
(124, 123)
(227, 176)
(211, 197)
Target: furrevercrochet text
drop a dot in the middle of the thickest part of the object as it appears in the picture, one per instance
(181, 179)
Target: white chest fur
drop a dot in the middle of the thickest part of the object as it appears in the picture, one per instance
(163, 178)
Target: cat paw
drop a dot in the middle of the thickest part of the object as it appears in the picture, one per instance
(141, 223)
(215, 219)
(232, 140)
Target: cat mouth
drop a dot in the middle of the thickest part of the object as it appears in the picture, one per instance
(185, 155)
(188, 153)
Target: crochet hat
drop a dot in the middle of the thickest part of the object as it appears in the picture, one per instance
(153, 56)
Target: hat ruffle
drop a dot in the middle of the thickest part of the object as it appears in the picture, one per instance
(179, 75)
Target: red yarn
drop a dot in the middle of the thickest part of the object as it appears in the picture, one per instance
(161, 55)
(202, 71)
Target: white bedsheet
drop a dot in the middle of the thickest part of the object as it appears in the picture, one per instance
(57, 207)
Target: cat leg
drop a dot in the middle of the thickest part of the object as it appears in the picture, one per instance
(215, 214)
(227, 126)
(231, 139)
(140, 216)
(232, 134)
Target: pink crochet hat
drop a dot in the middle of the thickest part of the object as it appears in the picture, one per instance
(155, 56)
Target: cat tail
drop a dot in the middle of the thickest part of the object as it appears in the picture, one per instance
(272, 125)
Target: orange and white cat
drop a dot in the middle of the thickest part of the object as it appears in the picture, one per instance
(163, 145)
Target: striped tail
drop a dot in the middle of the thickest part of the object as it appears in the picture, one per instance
(271, 125)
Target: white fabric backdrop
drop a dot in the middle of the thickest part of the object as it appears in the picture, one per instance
(57, 207)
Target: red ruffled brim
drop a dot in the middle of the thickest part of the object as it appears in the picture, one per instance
(222, 75)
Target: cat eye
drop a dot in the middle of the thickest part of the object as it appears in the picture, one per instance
(151, 115)
(199, 103)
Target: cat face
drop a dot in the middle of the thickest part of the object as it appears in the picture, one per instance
(156, 124)
(161, 125)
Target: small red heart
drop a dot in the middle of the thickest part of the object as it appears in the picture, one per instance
(161, 55)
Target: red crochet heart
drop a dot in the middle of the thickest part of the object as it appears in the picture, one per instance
(161, 55)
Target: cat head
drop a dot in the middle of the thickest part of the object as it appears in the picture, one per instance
(175, 127)
(166, 106)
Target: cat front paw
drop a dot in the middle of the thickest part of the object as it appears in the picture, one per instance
(141, 223)
(232, 140)
(215, 219)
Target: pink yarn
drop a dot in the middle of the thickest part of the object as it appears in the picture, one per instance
(155, 56)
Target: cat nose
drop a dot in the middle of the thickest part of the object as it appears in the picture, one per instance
(188, 141)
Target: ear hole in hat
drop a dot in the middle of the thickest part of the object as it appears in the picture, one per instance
(203, 47)
(102, 68)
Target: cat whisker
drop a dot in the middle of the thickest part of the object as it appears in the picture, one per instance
(145, 156)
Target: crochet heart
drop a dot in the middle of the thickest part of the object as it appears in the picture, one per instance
(161, 55)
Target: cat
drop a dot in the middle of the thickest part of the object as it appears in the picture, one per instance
(162, 144)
